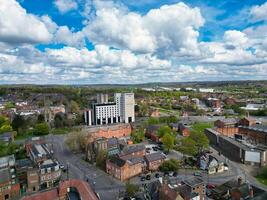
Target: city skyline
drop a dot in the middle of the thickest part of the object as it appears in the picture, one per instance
(125, 41)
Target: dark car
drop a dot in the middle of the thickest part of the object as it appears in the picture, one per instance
(174, 174)
(148, 177)
(210, 186)
(166, 173)
(157, 175)
(143, 178)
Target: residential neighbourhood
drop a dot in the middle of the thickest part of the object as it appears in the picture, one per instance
(180, 156)
(133, 100)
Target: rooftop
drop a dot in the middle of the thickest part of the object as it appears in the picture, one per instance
(193, 181)
(155, 156)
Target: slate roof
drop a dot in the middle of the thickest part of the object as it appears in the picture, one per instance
(154, 156)
(133, 148)
(117, 161)
(193, 181)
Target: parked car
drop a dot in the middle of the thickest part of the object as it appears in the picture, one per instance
(148, 177)
(226, 168)
(148, 148)
(143, 178)
(166, 173)
(157, 175)
(175, 174)
(210, 186)
(61, 166)
(197, 173)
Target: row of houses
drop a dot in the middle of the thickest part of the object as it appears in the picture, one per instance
(133, 161)
(40, 171)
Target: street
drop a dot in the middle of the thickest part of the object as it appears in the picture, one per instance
(109, 188)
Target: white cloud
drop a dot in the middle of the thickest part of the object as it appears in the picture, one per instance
(66, 36)
(169, 28)
(65, 5)
(17, 26)
(259, 12)
(236, 38)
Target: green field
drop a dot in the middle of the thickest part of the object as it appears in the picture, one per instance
(201, 126)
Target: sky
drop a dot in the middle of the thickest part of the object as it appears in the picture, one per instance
(132, 41)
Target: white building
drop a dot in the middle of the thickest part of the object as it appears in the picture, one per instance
(125, 102)
(206, 90)
(121, 110)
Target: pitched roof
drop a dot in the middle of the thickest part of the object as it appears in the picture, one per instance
(133, 148)
(154, 156)
(193, 181)
(117, 161)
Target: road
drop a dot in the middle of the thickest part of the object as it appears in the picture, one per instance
(106, 186)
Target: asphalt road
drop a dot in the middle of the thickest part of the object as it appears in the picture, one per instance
(106, 186)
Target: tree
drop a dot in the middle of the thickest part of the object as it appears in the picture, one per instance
(74, 106)
(40, 118)
(18, 123)
(168, 141)
(131, 189)
(170, 165)
(41, 129)
(138, 136)
(5, 128)
(60, 120)
(164, 130)
(153, 121)
(101, 159)
(76, 140)
(188, 146)
(201, 140)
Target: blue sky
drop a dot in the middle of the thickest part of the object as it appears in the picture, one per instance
(129, 41)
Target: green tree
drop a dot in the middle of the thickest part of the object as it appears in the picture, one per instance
(4, 121)
(168, 141)
(201, 140)
(5, 128)
(188, 146)
(164, 130)
(131, 189)
(170, 165)
(74, 107)
(18, 123)
(138, 136)
(101, 159)
(153, 121)
(41, 129)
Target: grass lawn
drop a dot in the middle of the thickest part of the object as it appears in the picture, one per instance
(201, 126)
(262, 179)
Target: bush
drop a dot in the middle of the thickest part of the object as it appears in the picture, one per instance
(169, 165)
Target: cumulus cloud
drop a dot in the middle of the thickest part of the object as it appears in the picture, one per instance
(259, 12)
(65, 5)
(169, 28)
(18, 26)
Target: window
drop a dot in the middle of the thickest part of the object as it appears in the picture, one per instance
(33, 189)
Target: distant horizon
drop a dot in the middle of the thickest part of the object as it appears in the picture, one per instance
(73, 42)
(133, 84)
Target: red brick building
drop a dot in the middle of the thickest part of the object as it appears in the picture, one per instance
(83, 189)
(153, 161)
(135, 150)
(109, 131)
(9, 187)
(124, 169)
(247, 121)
